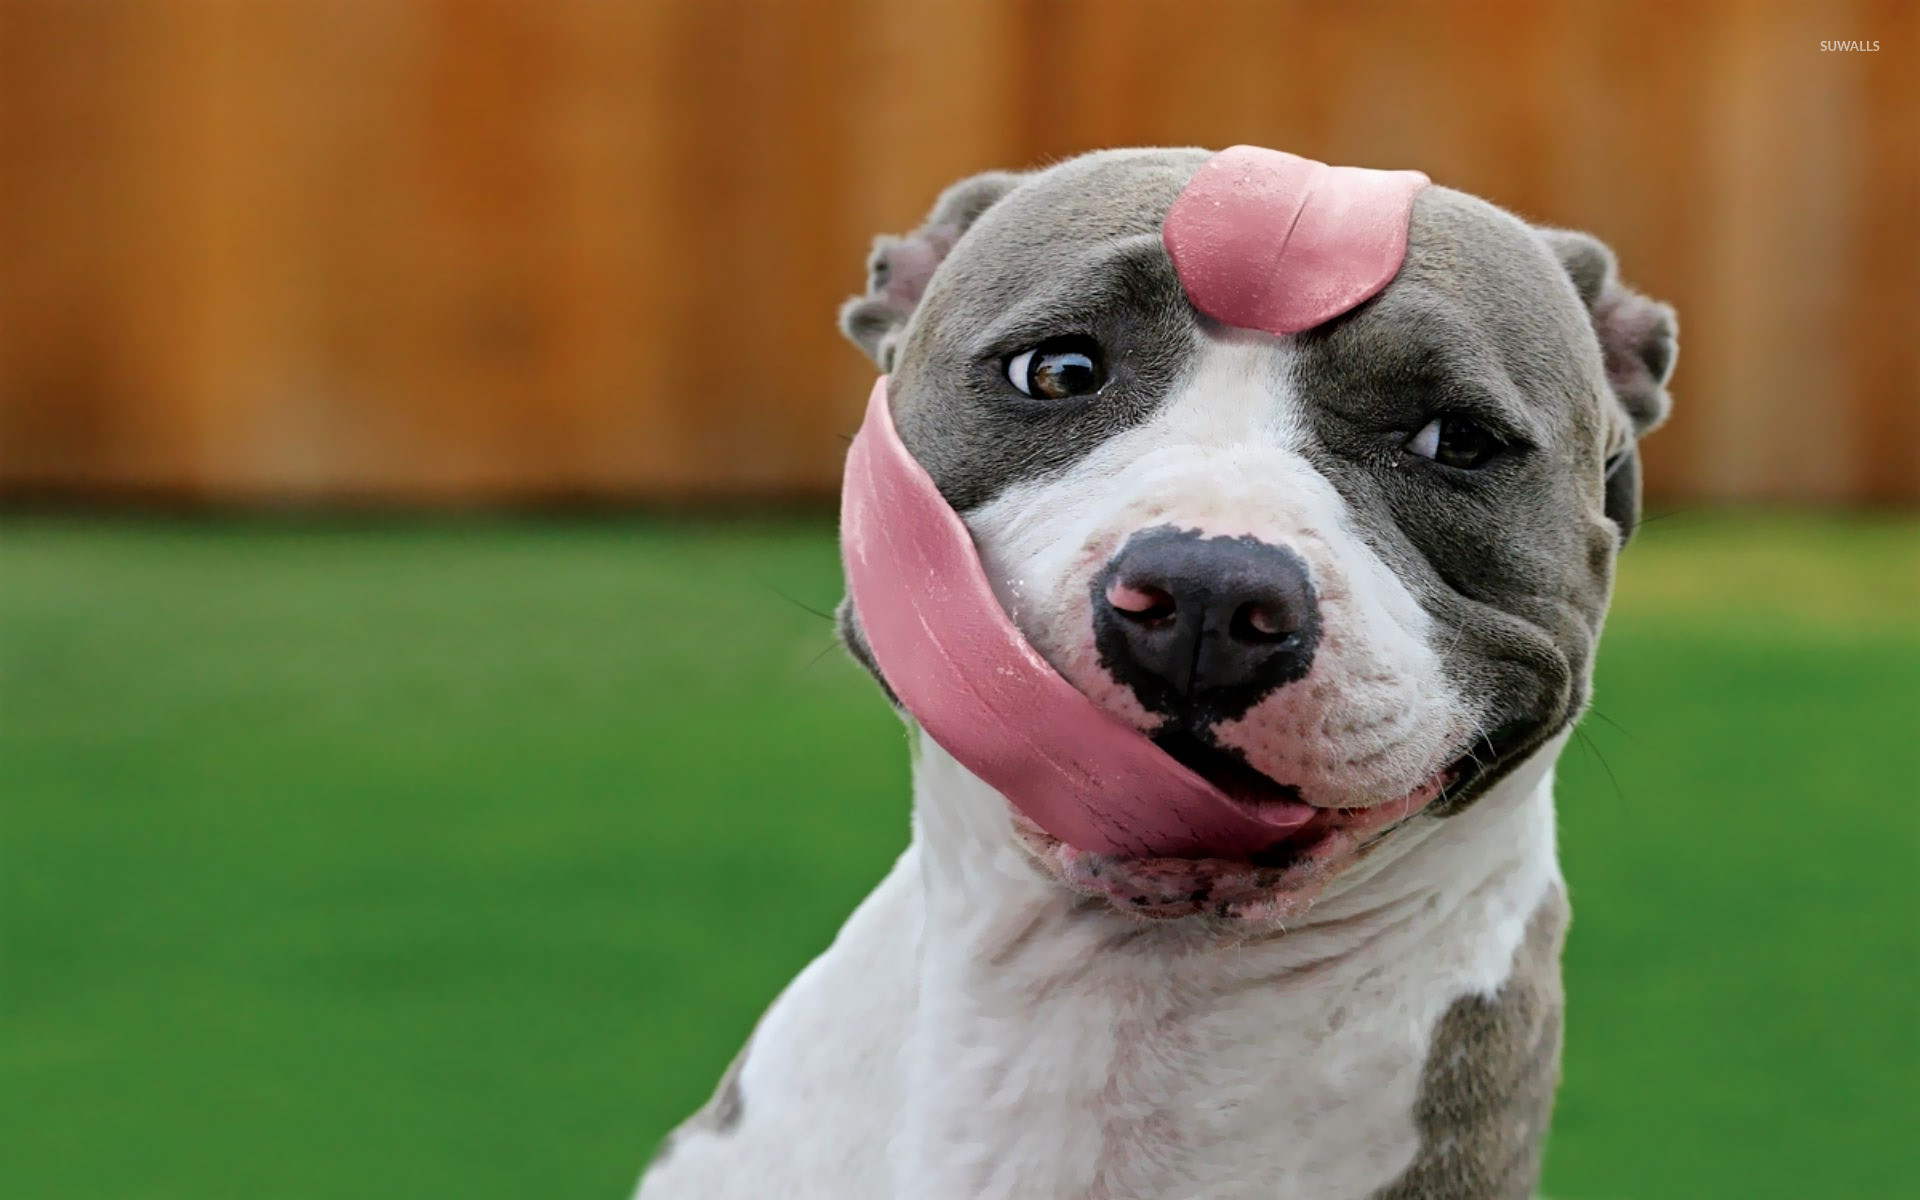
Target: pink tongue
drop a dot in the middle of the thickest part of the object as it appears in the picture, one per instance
(1267, 240)
(955, 660)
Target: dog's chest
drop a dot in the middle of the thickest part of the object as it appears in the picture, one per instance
(1269, 1074)
(973, 1034)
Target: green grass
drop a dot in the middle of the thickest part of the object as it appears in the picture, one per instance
(456, 858)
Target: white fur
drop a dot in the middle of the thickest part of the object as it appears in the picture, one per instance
(934, 1051)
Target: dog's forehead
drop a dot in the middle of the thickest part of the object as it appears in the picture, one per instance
(1062, 231)
(1074, 221)
(1087, 202)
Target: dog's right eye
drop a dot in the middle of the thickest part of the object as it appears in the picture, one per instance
(1456, 442)
(1058, 368)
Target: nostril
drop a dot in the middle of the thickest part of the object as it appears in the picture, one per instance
(1262, 623)
(1143, 603)
(1200, 627)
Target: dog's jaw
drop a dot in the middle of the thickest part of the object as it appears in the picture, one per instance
(1280, 887)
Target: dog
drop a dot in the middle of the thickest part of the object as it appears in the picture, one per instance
(1312, 481)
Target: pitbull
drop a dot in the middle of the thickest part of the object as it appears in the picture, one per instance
(1308, 484)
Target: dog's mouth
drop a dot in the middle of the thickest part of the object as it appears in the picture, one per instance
(1279, 882)
(1225, 769)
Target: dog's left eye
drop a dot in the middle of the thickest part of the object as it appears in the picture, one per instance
(1454, 442)
(1058, 368)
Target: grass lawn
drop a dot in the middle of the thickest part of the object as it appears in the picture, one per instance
(456, 858)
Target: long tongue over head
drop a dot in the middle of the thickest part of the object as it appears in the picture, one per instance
(1267, 240)
(1257, 237)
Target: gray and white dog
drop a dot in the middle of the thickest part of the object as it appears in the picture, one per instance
(1441, 478)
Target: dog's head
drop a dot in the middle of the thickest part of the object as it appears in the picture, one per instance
(1362, 566)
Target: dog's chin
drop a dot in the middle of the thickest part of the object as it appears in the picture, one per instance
(1277, 885)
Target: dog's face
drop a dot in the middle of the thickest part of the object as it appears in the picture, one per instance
(1362, 567)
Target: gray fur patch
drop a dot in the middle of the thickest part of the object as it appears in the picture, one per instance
(1486, 1096)
(728, 1107)
(1515, 560)
(1074, 249)
(720, 1115)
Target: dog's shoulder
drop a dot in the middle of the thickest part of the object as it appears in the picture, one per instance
(1486, 1094)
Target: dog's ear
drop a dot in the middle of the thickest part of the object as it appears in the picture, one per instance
(899, 267)
(1639, 341)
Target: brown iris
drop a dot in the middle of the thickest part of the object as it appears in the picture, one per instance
(1058, 369)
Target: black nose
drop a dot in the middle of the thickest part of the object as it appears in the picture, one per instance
(1204, 626)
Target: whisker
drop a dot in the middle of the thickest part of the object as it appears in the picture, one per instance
(802, 605)
(1674, 512)
(829, 648)
(1609, 720)
(1619, 795)
(1479, 737)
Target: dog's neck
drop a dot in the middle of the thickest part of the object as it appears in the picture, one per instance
(1058, 1047)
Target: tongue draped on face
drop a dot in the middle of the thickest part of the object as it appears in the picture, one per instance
(1260, 239)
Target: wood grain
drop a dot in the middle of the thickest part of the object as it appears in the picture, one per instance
(502, 251)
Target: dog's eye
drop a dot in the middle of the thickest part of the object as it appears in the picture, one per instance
(1058, 368)
(1454, 442)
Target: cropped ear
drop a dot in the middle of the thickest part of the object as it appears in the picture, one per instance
(1639, 342)
(899, 267)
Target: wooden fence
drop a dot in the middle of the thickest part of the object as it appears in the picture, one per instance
(481, 251)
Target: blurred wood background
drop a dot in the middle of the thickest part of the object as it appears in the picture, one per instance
(506, 251)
